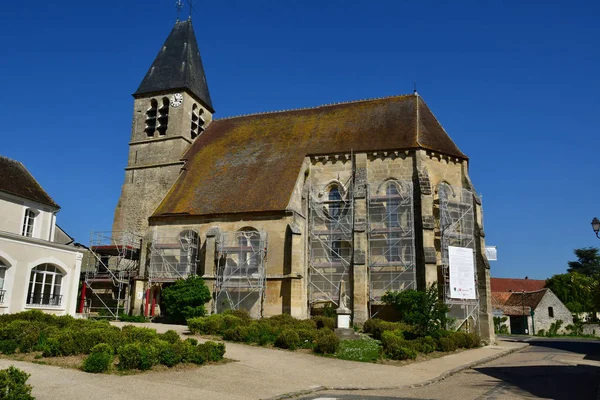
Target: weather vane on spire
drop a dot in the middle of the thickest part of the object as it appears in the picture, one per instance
(191, 9)
(179, 6)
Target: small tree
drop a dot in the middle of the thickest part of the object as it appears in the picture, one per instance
(424, 310)
(185, 299)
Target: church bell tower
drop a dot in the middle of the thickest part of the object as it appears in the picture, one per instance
(172, 107)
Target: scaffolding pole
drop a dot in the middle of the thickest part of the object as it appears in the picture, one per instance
(391, 238)
(172, 256)
(112, 263)
(331, 216)
(457, 228)
(240, 276)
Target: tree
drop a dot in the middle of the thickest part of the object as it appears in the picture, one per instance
(588, 261)
(577, 291)
(185, 299)
(423, 310)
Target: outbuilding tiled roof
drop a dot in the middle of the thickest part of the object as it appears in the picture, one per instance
(516, 285)
(251, 163)
(16, 180)
(517, 303)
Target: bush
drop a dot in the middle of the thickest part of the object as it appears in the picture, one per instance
(8, 346)
(169, 336)
(132, 318)
(461, 339)
(288, 339)
(446, 344)
(25, 333)
(376, 327)
(396, 347)
(193, 342)
(198, 355)
(237, 334)
(171, 354)
(138, 356)
(133, 334)
(241, 314)
(421, 309)
(13, 384)
(307, 337)
(554, 328)
(474, 340)
(213, 351)
(185, 299)
(541, 332)
(326, 342)
(52, 348)
(100, 359)
(425, 345)
(211, 325)
(324, 322)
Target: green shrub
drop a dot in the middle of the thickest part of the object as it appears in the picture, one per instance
(191, 341)
(376, 327)
(52, 348)
(425, 344)
(541, 332)
(241, 314)
(100, 359)
(326, 342)
(211, 325)
(237, 334)
(185, 299)
(554, 328)
(396, 347)
(324, 322)
(307, 337)
(133, 334)
(8, 346)
(170, 354)
(446, 344)
(198, 355)
(25, 333)
(213, 351)
(132, 318)
(288, 339)
(231, 321)
(138, 356)
(461, 339)
(421, 309)
(282, 320)
(169, 336)
(13, 384)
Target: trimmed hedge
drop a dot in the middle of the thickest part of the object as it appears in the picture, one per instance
(13, 384)
(326, 342)
(135, 347)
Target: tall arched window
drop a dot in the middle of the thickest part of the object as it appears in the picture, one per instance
(393, 222)
(151, 118)
(250, 251)
(335, 214)
(188, 252)
(44, 286)
(28, 222)
(163, 117)
(3, 268)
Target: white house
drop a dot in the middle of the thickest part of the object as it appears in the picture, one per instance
(37, 271)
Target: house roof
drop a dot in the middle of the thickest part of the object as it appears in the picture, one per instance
(178, 65)
(517, 303)
(516, 285)
(251, 163)
(16, 180)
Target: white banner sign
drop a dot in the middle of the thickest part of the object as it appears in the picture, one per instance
(462, 273)
(491, 253)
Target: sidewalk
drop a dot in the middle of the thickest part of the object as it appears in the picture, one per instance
(258, 373)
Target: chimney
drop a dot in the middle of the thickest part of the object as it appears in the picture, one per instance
(526, 277)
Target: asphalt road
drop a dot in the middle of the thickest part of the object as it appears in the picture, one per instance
(560, 369)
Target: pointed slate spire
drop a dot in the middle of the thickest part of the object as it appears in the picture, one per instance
(178, 65)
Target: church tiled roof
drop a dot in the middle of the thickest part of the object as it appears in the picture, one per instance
(251, 163)
(16, 180)
(178, 65)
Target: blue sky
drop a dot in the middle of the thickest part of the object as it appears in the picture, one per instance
(514, 83)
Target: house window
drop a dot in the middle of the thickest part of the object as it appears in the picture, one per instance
(151, 118)
(44, 286)
(2, 276)
(551, 312)
(28, 221)
(163, 117)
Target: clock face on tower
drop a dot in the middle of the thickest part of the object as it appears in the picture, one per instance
(176, 100)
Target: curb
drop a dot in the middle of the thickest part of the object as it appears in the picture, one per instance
(438, 378)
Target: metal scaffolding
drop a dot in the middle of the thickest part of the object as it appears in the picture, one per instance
(172, 256)
(457, 228)
(391, 237)
(331, 225)
(240, 276)
(112, 263)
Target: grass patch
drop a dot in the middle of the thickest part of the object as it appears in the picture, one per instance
(364, 350)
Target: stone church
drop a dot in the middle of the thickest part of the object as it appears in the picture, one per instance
(293, 211)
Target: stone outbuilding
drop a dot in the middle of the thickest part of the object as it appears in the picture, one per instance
(278, 211)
